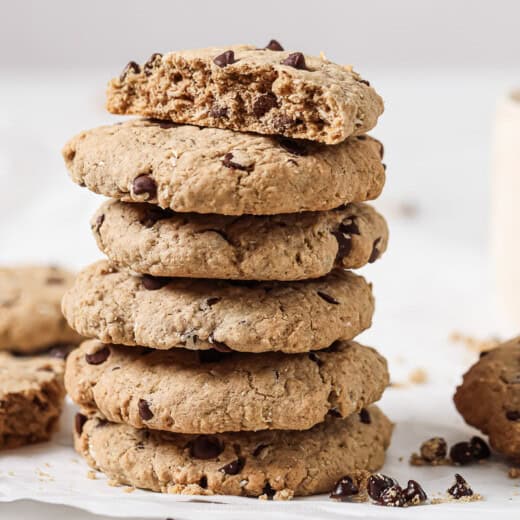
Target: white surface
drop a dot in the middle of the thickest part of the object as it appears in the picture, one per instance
(435, 278)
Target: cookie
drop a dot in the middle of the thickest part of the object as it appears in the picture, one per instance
(246, 89)
(153, 241)
(208, 170)
(162, 313)
(186, 391)
(31, 399)
(30, 314)
(489, 397)
(270, 463)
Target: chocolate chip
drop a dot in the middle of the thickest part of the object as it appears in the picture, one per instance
(344, 488)
(153, 214)
(392, 497)
(513, 415)
(334, 412)
(144, 410)
(54, 280)
(273, 45)
(269, 491)
(203, 482)
(218, 112)
(212, 301)
(364, 416)
(224, 59)
(328, 298)
(296, 60)
(154, 283)
(79, 422)
(414, 493)
(98, 357)
(349, 226)
(344, 245)
(205, 447)
(150, 64)
(364, 81)
(377, 483)
(130, 66)
(483, 353)
(314, 357)
(264, 103)
(293, 146)
(234, 467)
(144, 184)
(211, 356)
(283, 122)
(479, 448)
(229, 163)
(259, 449)
(375, 251)
(434, 449)
(381, 150)
(460, 488)
(461, 453)
(99, 223)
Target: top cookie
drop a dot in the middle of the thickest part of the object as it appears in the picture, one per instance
(248, 89)
(30, 313)
(208, 170)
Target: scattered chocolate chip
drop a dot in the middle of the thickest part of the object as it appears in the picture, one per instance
(296, 60)
(212, 301)
(99, 223)
(460, 488)
(224, 59)
(264, 103)
(98, 357)
(130, 66)
(144, 410)
(375, 251)
(150, 64)
(293, 146)
(377, 483)
(54, 280)
(234, 467)
(274, 45)
(328, 298)
(259, 449)
(344, 489)
(229, 163)
(479, 448)
(364, 416)
(79, 422)
(513, 415)
(154, 283)
(434, 449)
(344, 245)
(218, 112)
(392, 496)
(461, 453)
(269, 491)
(153, 214)
(314, 357)
(211, 356)
(203, 482)
(205, 447)
(334, 412)
(144, 184)
(414, 493)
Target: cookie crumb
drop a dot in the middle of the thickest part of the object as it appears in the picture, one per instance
(474, 344)
(113, 483)
(513, 473)
(92, 475)
(418, 376)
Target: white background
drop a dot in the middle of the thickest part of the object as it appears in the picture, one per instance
(441, 67)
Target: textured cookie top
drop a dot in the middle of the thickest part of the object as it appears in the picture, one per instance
(30, 314)
(207, 170)
(207, 391)
(270, 463)
(248, 89)
(489, 397)
(153, 241)
(163, 313)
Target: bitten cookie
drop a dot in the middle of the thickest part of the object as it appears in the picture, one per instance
(31, 398)
(248, 89)
(185, 391)
(489, 397)
(30, 314)
(270, 463)
(117, 307)
(207, 170)
(153, 241)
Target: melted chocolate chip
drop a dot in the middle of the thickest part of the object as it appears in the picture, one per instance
(479, 448)
(461, 453)
(203, 482)
(205, 447)
(153, 214)
(225, 59)
(150, 64)
(460, 488)
(259, 449)
(264, 103)
(218, 112)
(295, 60)
(234, 467)
(79, 422)
(349, 226)
(98, 357)
(144, 410)
(154, 283)
(229, 163)
(144, 184)
(414, 493)
(377, 483)
(364, 416)
(513, 415)
(130, 66)
(314, 357)
(293, 146)
(269, 491)
(344, 246)
(99, 223)
(344, 489)
(334, 412)
(375, 251)
(328, 298)
(274, 45)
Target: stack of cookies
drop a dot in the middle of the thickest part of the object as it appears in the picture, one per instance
(223, 360)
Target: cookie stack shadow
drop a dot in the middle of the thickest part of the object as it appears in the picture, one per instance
(225, 313)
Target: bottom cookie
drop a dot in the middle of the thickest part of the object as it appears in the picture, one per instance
(275, 464)
(31, 399)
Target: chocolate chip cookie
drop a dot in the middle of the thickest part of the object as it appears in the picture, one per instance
(244, 88)
(489, 397)
(271, 463)
(31, 398)
(150, 240)
(208, 170)
(186, 391)
(162, 313)
(30, 314)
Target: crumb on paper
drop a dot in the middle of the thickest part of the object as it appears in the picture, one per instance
(417, 460)
(474, 344)
(75, 461)
(43, 476)
(92, 475)
(11, 473)
(513, 473)
(418, 376)
(400, 459)
(408, 209)
(476, 497)
(398, 384)
(129, 489)
(113, 483)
